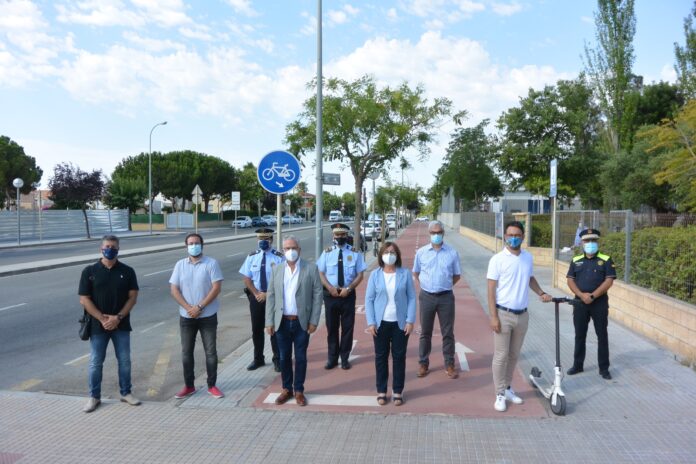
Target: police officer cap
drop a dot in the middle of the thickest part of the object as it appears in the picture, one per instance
(339, 228)
(264, 233)
(589, 233)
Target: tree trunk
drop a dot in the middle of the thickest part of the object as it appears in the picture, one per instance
(357, 239)
(84, 213)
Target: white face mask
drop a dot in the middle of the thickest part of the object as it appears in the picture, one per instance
(389, 259)
(291, 255)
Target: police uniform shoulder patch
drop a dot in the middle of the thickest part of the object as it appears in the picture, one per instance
(254, 253)
(600, 263)
(277, 253)
(577, 258)
(329, 249)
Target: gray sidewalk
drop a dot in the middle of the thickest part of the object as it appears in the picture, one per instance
(646, 414)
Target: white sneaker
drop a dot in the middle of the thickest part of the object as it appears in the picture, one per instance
(130, 399)
(511, 396)
(91, 405)
(500, 403)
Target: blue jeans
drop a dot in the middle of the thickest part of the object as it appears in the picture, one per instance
(390, 338)
(291, 333)
(98, 343)
(207, 326)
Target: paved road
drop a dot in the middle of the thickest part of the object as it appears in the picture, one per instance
(40, 350)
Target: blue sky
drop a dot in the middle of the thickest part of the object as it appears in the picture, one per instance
(85, 80)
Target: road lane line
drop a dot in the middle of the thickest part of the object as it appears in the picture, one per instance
(159, 373)
(158, 272)
(152, 327)
(26, 385)
(236, 254)
(13, 306)
(76, 360)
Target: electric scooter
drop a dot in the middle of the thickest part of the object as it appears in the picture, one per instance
(554, 392)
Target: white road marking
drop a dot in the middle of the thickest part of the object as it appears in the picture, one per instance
(360, 309)
(13, 306)
(76, 360)
(158, 272)
(461, 351)
(352, 356)
(152, 327)
(236, 254)
(331, 400)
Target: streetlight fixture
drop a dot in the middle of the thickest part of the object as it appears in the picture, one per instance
(149, 177)
(18, 184)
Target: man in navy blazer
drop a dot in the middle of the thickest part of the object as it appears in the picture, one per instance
(293, 308)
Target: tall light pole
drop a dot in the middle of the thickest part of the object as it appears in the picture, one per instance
(374, 176)
(18, 184)
(319, 168)
(149, 177)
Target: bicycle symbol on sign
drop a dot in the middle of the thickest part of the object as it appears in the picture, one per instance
(281, 171)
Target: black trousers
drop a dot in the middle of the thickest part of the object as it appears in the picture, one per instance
(339, 313)
(258, 325)
(598, 311)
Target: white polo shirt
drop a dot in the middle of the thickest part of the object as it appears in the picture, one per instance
(290, 282)
(512, 272)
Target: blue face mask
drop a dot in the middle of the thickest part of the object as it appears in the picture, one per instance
(436, 239)
(514, 242)
(195, 249)
(264, 244)
(110, 253)
(590, 247)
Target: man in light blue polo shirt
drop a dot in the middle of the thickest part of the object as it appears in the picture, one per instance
(436, 268)
(195, 284)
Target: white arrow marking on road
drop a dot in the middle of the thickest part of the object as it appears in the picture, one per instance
(352, 356)
(461, 351)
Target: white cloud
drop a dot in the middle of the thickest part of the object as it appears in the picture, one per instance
(152, 45)
(469, 8)
(342, 16)
(197, 31)
(243, 7)
(310, 27)
(668, 74)
(165, 13)
(441, 12)
(587, 19)
(392, 14)
(506, 9)
(20, 15)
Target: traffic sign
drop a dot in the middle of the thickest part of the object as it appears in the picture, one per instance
(278, 172)
(236, 201)
(553, 185)
(331, 179)
(197, 193)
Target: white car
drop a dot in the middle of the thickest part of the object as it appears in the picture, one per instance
(423, 219)
(270, 219)
(368, 227)
(242, 222)
(391, 221)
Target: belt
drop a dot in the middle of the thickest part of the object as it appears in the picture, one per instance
(513, 311)
(446, 292)
(290, 318)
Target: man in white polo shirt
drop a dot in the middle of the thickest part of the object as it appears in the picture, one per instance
(510, 276)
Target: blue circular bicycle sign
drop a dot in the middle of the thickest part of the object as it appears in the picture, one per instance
(278, 172)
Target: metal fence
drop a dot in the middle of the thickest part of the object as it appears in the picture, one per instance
(57, 224)
(486, 223)
(650, 250)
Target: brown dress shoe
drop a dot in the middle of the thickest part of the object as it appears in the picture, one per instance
(300, 399)
(452, 372)
(284, 396)
(422, 370)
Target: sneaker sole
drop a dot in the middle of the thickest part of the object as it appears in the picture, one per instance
(131, 404)
(178, 397)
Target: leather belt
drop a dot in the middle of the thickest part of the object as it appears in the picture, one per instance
(290, 318)
(513, 311)
(446, 292)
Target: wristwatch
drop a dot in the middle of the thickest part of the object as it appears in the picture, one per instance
(120, 318)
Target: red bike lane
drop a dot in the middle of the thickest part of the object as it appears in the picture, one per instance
(353, 390)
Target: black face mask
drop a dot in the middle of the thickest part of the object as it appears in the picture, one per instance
(340, 241)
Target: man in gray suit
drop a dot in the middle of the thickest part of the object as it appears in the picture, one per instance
(293, 307)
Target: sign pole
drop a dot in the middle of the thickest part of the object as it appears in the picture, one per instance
(554, 230)
(279, 221)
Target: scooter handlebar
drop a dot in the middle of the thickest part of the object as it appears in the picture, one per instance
(563, 299)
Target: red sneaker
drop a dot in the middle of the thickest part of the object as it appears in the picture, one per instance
(215, 391)
(186, 391)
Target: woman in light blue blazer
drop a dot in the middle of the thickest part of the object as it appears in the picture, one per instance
(390, 309)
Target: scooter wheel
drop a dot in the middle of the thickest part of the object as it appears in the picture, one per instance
(560, 406)
(536, 372)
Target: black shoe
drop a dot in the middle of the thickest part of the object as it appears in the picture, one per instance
(276, 365)
(255, 365)
(330, 365)
(574, 370)
(345, 365)
(605, 375)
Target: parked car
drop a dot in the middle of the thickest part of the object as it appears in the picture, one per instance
(258, 221)
(391, 221)
(335, 216)
(242, 222)
(368, 227)
(269, 219)
(363, 242)
(423, 219)
(288, 219)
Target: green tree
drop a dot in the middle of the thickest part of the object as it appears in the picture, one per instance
(135, 168)
(609, 68)
(657, 102)
(366, 127)
(467, 166)
(250, 189)
(555, 123)
(126, 192)
(675, 143)
(331, 202)
(71, 187)
(686, 57)
(348, 203)
(15, 163)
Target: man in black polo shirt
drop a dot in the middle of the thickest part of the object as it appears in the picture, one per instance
(108, 291)
(590, 276)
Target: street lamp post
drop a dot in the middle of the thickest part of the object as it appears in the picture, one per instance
(149, 177)
(374, 176)
(18, 184)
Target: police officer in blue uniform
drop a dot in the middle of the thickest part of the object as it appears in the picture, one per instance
(256, 272)
(341, 270)
(590, 276)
